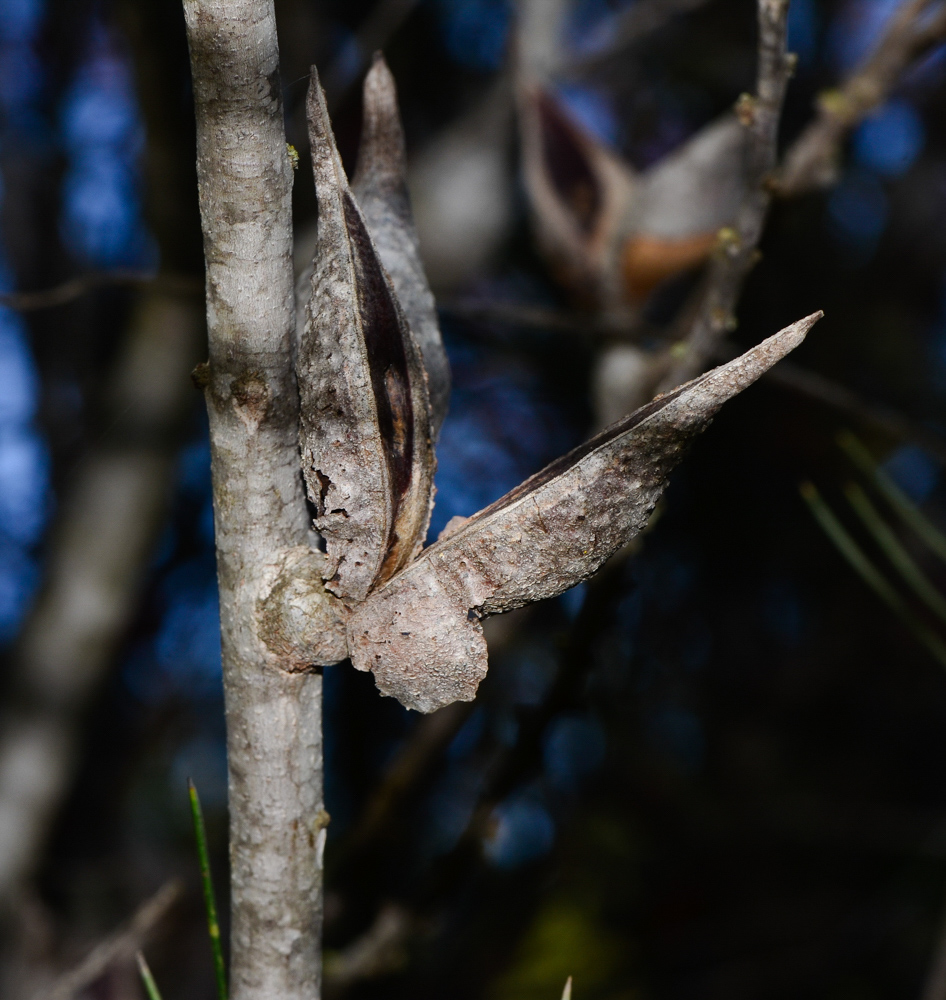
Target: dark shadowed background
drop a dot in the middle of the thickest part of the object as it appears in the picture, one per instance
(717, 770)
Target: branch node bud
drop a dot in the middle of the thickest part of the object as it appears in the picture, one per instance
(746, 107)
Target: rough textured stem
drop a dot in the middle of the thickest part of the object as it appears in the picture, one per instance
(737, 252)
(274, 740)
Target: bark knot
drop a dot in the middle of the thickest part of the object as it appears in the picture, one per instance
(298, 621)
(251, 394)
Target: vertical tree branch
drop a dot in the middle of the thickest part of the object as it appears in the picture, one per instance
(273, 703)
(737, 251)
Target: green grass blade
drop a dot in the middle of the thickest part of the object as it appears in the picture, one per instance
(213, 925)
(892, 548)
(869, 573)
(151, 987)
(905, 508)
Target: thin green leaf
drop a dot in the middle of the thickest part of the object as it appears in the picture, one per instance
(905, 564)
(151, 987)
(905, 508)
(213, 925)
(869, 573)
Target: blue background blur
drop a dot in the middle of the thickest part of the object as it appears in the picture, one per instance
(718, 769)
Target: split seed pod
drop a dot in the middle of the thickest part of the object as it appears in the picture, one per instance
(367, 453)
(579, 194)
(610, 234)
(380, 186)
(421, 633)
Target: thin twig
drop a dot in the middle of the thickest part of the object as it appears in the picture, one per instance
(75, 288)
(811, 162)
(638, 21)
(737, 252)
(120, 946)
(379, 951)
(430, 738)
(838, 396)
(512, 763)
(591, 326)
(912, 31)
(835, 394)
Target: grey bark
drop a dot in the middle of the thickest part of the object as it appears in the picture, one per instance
(273, 702)
(635, 24)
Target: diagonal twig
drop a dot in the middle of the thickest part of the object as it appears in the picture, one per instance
(119, 946)
(74, 288)
(913, 30)
(737, 253)
(382, 949)
(638, 21)
(812, 160)
(840, 397)
(424, 748)
(814, 385)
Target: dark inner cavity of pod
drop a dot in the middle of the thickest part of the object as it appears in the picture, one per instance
(387, 358)
(567, 164)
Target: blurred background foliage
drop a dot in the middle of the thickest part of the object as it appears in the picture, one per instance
(716, 770)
